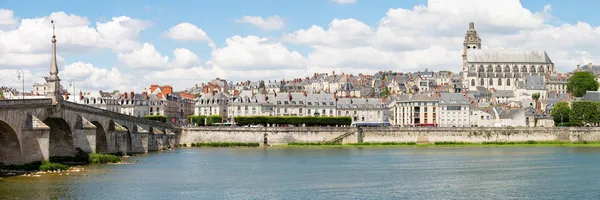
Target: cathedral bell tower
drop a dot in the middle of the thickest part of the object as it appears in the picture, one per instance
(472, 41)
(54, 89)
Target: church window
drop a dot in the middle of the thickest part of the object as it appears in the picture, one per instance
(523, 68)
(499, 82)
(515, 69)
(480, 68)
(489, 68)
(482, 83)
(506, 68)
(508, 82)
(532, 68)
(491, 81)
(498, 69)
(541, 69)
(472, 82)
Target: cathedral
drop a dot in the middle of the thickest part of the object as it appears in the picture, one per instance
(500, 69)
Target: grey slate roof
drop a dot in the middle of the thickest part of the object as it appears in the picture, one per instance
(507, 56)
(504, 93)
(453, 99)
(592, 96)
(534, 83)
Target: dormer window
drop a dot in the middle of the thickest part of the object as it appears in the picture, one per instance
(278, 102)
(301, 102)
(310, 103)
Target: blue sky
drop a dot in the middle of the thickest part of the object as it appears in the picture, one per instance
(341, 50)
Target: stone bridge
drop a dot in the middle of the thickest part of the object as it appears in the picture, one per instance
(36, 129)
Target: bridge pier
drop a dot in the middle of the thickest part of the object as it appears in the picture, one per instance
(84, 135)
(139, 140)
(117, 138)
(35, 145)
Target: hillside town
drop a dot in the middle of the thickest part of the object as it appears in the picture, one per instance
(495, 88)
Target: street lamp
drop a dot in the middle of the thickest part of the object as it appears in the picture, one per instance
(19, 75)
(72, 84)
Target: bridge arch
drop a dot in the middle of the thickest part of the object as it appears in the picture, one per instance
(124, 141)
(10, 148)
(61, 138)
(101, 139)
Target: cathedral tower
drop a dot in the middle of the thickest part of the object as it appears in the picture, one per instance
(472, 41)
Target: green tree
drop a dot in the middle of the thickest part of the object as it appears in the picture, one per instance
(581, 82)
(561, 112)
(1, 94)
(535, 97)
(116, 91)
(385, 93)
(584, 112)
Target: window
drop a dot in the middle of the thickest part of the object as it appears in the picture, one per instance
(150, 109)
(499, 82)
(472, 82)
(507, 82)
(299, 110)
(491, 81)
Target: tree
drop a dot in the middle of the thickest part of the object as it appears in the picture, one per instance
(385, 93)
(1, 94)
(535, 97)
(561, 112)
(584, 112)
(116, 92)
(581, 82)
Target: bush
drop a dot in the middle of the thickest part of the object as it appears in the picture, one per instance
(48, 166)
(160, 118)
(198, 120)
(448, 143)
(226, 144)
(103, 158)
(385, 143)
(569, 124)
(294, 120)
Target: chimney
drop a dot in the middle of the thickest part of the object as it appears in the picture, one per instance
(124, 95)
(578, 68)
(476, 103)
(167, 90)
(539, 107)
(304, 93)
(213, 92)
(154, 87)
(252, 91)
(315, 75)
(333, 73)
(80, 95)
(275, 93)
(131, 95)
(570, 95)
(289, 96)
(145, 95)
(335, 96)
(590, 65)
(237, 93)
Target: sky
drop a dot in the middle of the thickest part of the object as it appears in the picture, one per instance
(128, 45)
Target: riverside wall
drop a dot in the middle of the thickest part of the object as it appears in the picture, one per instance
(282, 135)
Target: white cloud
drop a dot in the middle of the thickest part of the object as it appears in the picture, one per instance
(252, 52)
(184, 58)
(270, 23)
(344, 1)
(7, 19)
(145, 57)
(188, 32)
(431, 36)
(87, 77)
(10, 78)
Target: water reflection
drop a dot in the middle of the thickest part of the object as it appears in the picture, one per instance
(338, 173)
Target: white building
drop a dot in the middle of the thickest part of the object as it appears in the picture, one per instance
(454, 110)
(415, 110)
(363, 110)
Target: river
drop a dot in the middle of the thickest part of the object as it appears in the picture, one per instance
(332, 173)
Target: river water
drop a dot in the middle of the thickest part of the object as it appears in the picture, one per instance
(332, 173)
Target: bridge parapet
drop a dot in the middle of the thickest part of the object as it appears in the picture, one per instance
(114, 115)
(25, 103)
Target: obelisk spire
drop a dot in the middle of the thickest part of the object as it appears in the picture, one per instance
(53, 66)
(54, 88)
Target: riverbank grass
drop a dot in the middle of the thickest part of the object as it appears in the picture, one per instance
(49, 166)
(226, 144)
(97, 158)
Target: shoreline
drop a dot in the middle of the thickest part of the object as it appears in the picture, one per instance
(433, 145)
